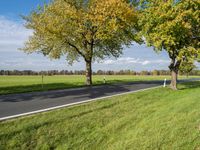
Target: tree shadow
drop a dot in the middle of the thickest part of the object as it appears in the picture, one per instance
(77, 94)
(189, 85)
(37, 88)
(60, 86)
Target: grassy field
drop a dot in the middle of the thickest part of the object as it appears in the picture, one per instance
(20, 84)
(154, 119)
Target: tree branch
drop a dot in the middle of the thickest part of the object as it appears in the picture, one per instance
(85, 38)
(76, 49)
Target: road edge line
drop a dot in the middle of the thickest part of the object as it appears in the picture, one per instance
(73, 104)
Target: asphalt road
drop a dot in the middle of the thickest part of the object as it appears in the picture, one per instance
(15, 104)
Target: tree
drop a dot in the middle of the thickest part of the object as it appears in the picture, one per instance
(90, 30)
(187, 67)
(144, 73)
(155, 73)
(173, 26)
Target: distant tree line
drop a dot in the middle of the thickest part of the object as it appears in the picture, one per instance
(99, 72)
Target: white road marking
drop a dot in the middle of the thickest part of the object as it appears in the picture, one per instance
(71, 104)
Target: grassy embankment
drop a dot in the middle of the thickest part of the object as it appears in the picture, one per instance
(154, 119)
(20, 84)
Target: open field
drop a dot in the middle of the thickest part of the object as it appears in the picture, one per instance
(20, 84)
(154, 119)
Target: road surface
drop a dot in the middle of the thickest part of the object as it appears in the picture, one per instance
(15, 104)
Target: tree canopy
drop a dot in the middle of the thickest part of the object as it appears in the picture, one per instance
(89, 29)
(187, 67)
(173, 26)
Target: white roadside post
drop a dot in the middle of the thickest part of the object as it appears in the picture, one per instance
(104, 80)
(42, 81)
(164, 85)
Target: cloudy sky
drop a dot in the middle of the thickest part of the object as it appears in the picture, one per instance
(13, 35)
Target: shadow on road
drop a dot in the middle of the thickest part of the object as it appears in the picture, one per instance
(83, 93)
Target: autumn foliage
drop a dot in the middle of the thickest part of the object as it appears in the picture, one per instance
(90, 29)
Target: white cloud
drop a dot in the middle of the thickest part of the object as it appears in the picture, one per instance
(130, 60)
(32, 62)
(146, 62)
(12, 35)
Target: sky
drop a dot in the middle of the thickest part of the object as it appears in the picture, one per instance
(13, 34)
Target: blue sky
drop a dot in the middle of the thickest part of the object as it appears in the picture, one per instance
(14, 8)
(13, 35)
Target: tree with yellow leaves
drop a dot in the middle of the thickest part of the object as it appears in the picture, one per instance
(173, 26)
(90, 29)
(187, 67)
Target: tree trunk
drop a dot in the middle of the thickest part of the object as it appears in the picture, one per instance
(88, 73)
(174, 68)
(174, 75)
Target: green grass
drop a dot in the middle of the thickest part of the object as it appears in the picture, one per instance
(20, 84)
(154, 119)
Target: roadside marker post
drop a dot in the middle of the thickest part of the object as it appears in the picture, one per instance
(42, 81)
(164, 85)
(104, 80)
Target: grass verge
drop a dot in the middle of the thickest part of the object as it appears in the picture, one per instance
(154, 119)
